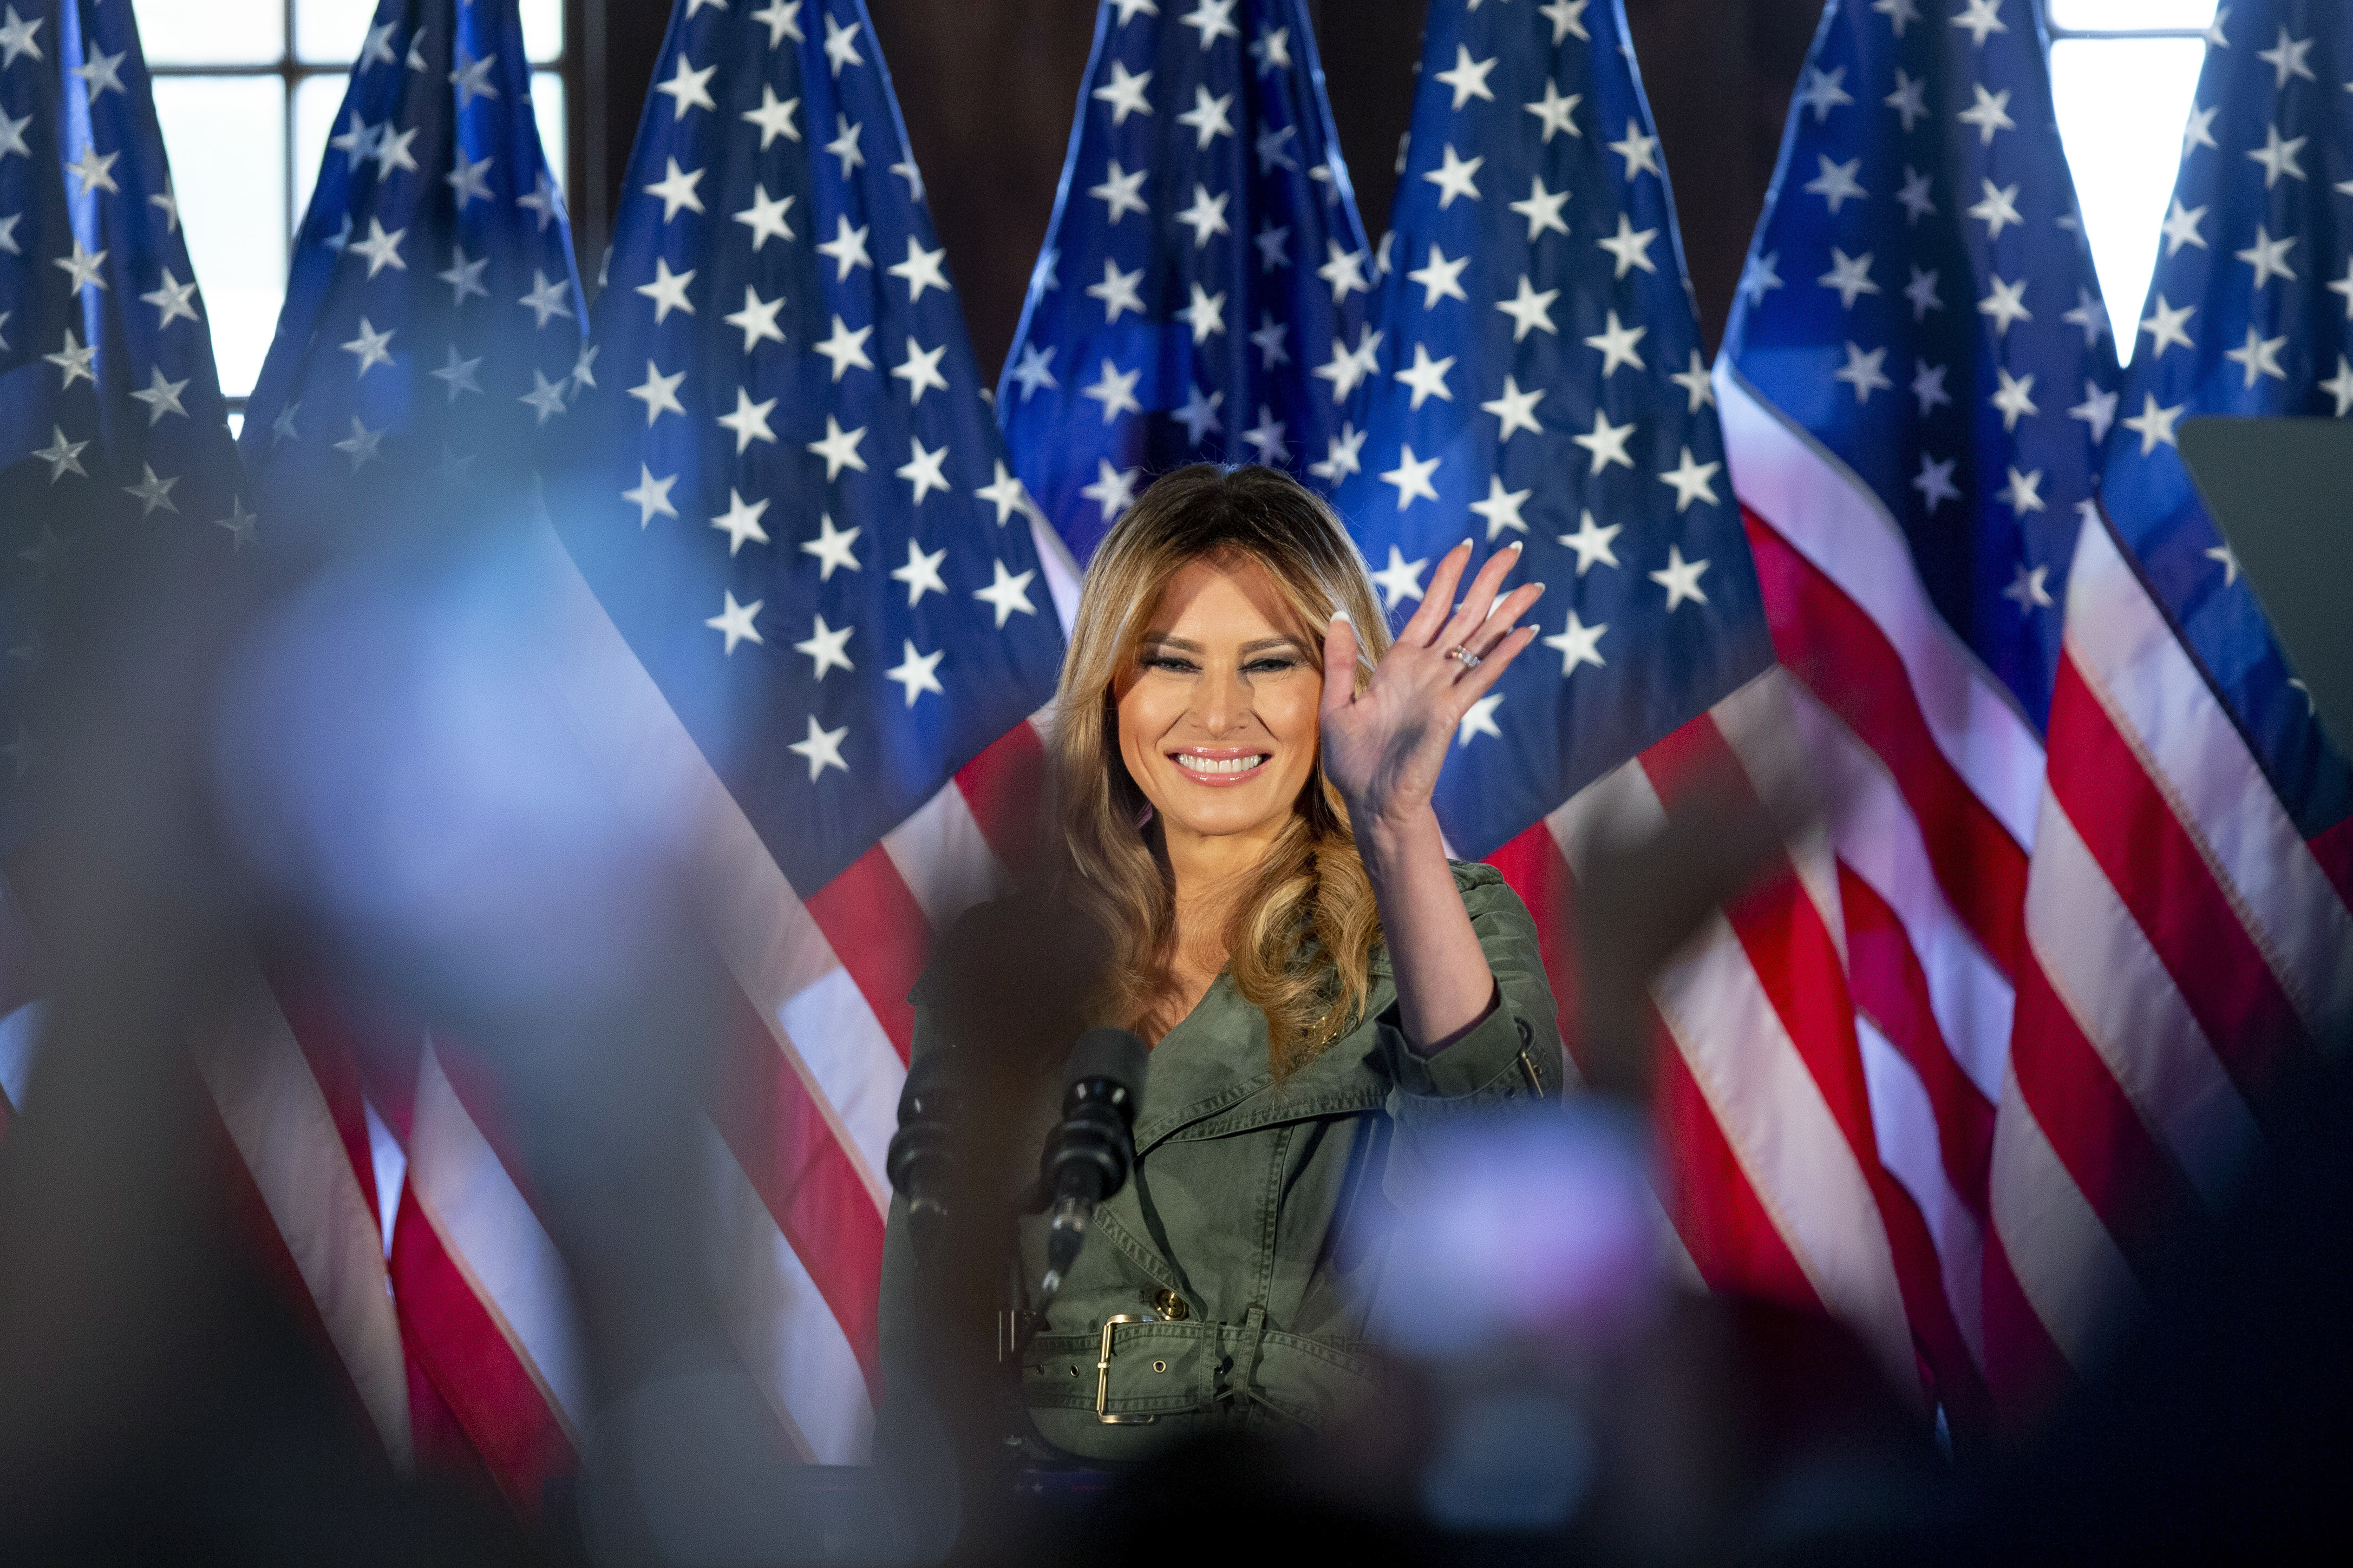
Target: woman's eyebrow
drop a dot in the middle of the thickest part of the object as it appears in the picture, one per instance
(1260, 645)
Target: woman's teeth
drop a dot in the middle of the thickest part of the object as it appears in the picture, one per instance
(1218, 764)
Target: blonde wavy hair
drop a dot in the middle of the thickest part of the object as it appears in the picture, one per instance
(1301, 938)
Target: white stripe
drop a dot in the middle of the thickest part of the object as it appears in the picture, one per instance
(943, 858)
(865, 1107)
(2061, 1254)
(2131, 659)
(788, 1335)
(493, 1237)
(390, 1161)
(1839, 525)
(1879, 839)
(1060, 568)
(1756, 722)
(1903, 1121)
(2111, 980)
(20, 1038)
(278, 1119)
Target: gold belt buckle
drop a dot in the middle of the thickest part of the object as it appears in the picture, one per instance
(1102, 1376)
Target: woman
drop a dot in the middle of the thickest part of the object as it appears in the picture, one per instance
(1244, 769)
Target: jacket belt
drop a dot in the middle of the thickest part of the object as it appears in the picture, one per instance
(1191, 1366)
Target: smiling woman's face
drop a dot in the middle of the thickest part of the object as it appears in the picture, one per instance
(1217, 707)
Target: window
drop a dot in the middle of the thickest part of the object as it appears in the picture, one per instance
(2123, 73)
(247, 92)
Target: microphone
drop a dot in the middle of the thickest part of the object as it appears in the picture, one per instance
(920, 1162)
(1094, 1149)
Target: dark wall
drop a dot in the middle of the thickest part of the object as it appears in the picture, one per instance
(988, 86)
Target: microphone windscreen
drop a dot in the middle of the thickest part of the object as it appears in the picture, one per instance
(1114, 1054)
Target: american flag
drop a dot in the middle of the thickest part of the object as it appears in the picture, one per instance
(1539, 383)
(1917, 379)
(2187, 937)
(822, 619)
(1202, 289)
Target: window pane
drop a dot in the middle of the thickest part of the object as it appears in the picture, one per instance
(2131, 15)
(328, 32)
(2122, 103)
(227, 140)
(548, 108)
(317, 99)
(212, 33)
(543, 29)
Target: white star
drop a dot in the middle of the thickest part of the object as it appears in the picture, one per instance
(2259, 356)
(2006, 305)
(1618, 345)
(83, 269)
(464, 276)
(1480, 720)
(1468, 78)
(658, 393)
(1916, 202)
(1034, 369)
(1922, 292)
(1679, 578)
(1344, 271)
(545, 202)
(828, 645)
(2288, 57)
(1836, 184)
(2090, 313)
(1411, 478)
(2223, 556)
(416, 60)
(1542, 209)
(774, 116)
(765, 217)
(1758, 278)
(844, 145)
(281, 429)
(466, 180)
(1008, 593)
(783, 20)
(823, 746)
(2154, 424)
(651, 497)
(1850, 275)
(1824, 91)
(676, 189)
(392, 151)
(74, 360)
(2199, 129)
(2015, 398)
(1206, 216)
(1348, 368)
(2345, 287)
(1566, 16)
(1909, 99)
(832, 546)
(2027, 590)
(1981, 18)
(1640, 152)
(2268, 256)
(1266, 437)
(583, 365)
(1529, 310)
(757, 321)
(1205, 315)
(1517, 409)
(472, 77)
(153, 493)
(846, 348)
(921, 574)
(1127, 9)
(1998, 210)
(550, 297)
(62, 455)
(170, 299)
(2165, 325)
(1213, 19)
(1113, 490)
(917, 672)
(16, 38)
(740, 521)
(1126, 93)
(361, 445)
(920, 269)
(240, 524)
(920, 369)
(1441, 279)
(839, 448)
(2097, 410)
(750, 421)
(12, 135)
(371, 348)
(1898, 12)
(2024, 493)
(1207, 117)
(668, 291)
(2180, 227)
(1272, 147)
(1576, 642)
(1199, 414)
(1272, 50)
(1115, 391)
(1120, 192)
(1864, 372)
(1501, 508)
(2214, 39)
(100, 75)
(1117, 291)
(922, 469)
(1400, 580)
(1990, 114)
(1006, 493)
(1343, 455)
(1694, 380)
(1691, 481)
(1453, 177)
(2278, 157)
(1591, 543)
(1631, 246)
(1427, 377)
(1554, 112)
(841, 44)
(1607, 442)
(92, 170)
(162, 396)
(1935, 482)
(846, 248)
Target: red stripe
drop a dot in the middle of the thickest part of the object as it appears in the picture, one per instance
(1534, 867)
(2023, 1364)
(1952, 1376)
(880, 933)
(2155, 869)
(1006, 788)
(795, 1161)
(2333, 847)
(323, 1034)
(2132, 1181)
(443, 1449)
(1835, 646)
(476, 1369)
(1731, 1237)
(1892, 991)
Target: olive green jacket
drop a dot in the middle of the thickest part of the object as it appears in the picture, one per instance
(1247, 1251)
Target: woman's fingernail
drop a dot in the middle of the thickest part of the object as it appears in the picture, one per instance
(1343, 615)
(1539, 588)
(1517, 546)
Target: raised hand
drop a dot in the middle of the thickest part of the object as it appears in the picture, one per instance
(1383, 746)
